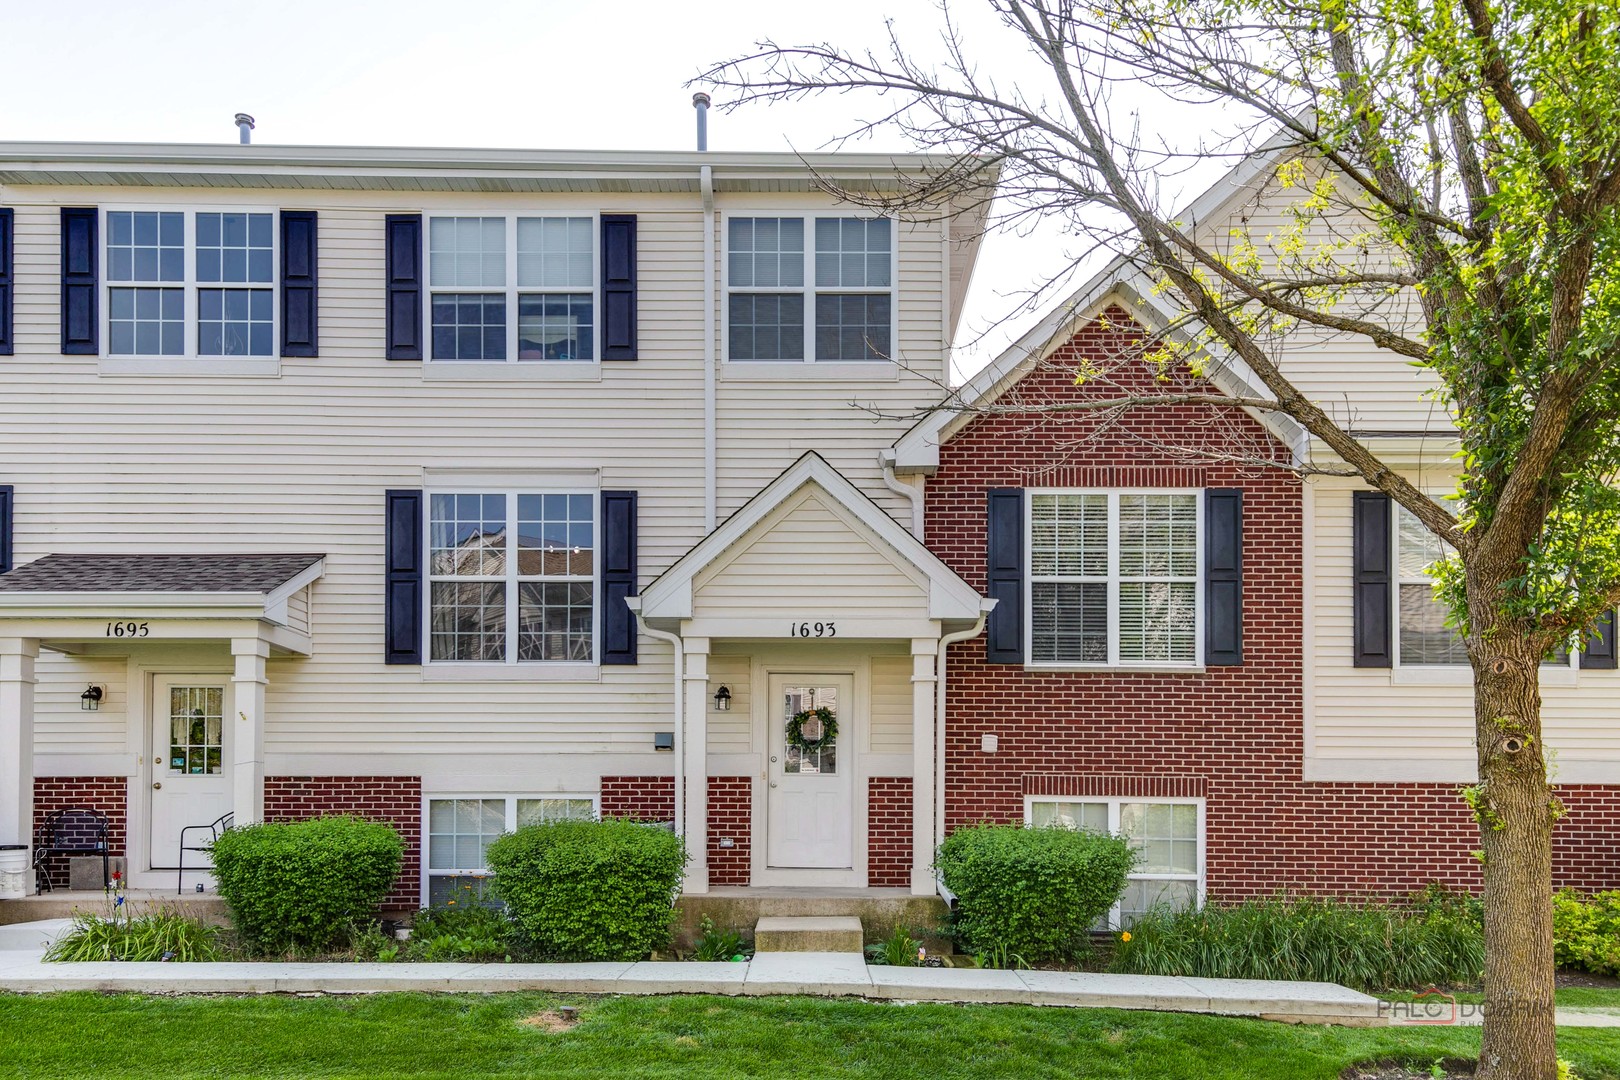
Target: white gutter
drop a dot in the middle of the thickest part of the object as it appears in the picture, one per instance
(939, 716)
(706, 180)
(680, 710)
(906, 491)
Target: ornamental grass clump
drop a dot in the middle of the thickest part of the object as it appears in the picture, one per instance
(590, 890)
(299, 887)
(1366, 946)
(1030, 893)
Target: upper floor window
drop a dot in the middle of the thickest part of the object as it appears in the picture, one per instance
(512, 576)
(185, 283)
(507, 288)
(809, 288)
(1113, 577)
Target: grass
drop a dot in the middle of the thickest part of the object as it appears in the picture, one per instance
(422, 1035)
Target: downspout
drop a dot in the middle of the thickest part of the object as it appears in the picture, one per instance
(680, 711)
(706, 181)
(939, 714)
(912, 495)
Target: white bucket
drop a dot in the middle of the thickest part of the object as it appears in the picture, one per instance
(14, 871)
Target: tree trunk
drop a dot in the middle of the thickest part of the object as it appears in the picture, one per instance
(1516, 812)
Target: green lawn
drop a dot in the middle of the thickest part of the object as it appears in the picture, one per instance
(420, 1035)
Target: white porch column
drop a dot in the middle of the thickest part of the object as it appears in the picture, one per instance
(695, 757)
(17, 657)
(923, 840)
(247, 729)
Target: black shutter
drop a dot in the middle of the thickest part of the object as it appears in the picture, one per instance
(80, 327)
(1374, 593)
(1599, 651)
(1223, 577)
(1004, 577)
(299, 314)
(403, 603)
(6, 502)
(404, 272)
(618, 576)
(618, 286)
(8, 341)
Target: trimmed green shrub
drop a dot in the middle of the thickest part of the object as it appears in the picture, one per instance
(300, 886)
(1366, 946)
(159, 935)
(590, 890)
(1586, 931)
(1030, 894)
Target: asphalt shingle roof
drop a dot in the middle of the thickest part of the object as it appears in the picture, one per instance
(156, 573)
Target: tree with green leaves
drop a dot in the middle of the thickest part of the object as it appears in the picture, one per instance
(1456, 169)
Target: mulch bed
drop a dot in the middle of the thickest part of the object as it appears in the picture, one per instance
(1451, 1069)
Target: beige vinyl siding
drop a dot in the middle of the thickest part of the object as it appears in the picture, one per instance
(808, 556)
(891, 722)
(62, 725)
(218, 462)
(1362, 722)
(732, 731)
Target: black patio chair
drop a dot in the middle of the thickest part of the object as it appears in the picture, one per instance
(73, 831)
(213, 829)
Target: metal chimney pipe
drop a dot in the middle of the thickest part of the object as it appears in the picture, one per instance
(244, 126)
(700, 102)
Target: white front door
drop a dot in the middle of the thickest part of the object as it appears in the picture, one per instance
(189, 766)
(810, 811)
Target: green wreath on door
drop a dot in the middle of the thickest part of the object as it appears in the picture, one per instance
(829, 729)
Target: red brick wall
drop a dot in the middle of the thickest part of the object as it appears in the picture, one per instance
(731, 814)
(107, 794)
(1233, 735)
(888, 832)
(396, 800)
(640, 798)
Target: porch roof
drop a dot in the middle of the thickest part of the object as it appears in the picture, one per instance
(189, 573)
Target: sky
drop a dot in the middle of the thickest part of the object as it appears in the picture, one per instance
(480, 73)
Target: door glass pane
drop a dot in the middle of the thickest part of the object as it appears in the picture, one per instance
(796, 760)
(196, 730)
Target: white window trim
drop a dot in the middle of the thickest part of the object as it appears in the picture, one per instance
(1113, 805)
(511, 367)
(809, 367)
(1114, 662)
(511, 826)
(511, 669)
(189, 362)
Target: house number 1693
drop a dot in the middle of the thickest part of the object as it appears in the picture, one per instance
(813, 629)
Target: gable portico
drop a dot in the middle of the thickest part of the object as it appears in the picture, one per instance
(814, 598)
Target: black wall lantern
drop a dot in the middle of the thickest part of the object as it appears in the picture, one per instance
(90, 700)
(722, 699)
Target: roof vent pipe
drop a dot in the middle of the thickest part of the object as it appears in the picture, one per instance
(700, 102)
(244, 127)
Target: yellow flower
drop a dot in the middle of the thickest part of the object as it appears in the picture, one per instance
(1124, 935)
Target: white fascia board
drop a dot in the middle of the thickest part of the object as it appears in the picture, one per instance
(670, 595)
(78, 605)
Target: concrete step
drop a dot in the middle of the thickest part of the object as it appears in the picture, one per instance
(38, 934)
(822, 934)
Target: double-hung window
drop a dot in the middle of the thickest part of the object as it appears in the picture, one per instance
(1114, 577)
(1166, 834)
(512, 577)
(460, 830)
(512, 288)
(809, 288)
(1420, 615)
(190, 283)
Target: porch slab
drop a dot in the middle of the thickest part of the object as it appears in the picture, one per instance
(829, 974)
(881, 911)
(778, 933)
(63, 903)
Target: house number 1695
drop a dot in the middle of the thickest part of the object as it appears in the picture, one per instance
(128, 629)
(813, 629)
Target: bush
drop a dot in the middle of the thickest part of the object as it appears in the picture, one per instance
(1586, 931)
(590, 890)
(1033, 894)
(299, 887)
(1366, 946)
(159, 935)
(470, 933)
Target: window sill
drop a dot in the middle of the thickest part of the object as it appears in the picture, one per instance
(1432, 675)
(525, 673)
(1122, 669)
(774, 370)
(519, 371)
(258, 367)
